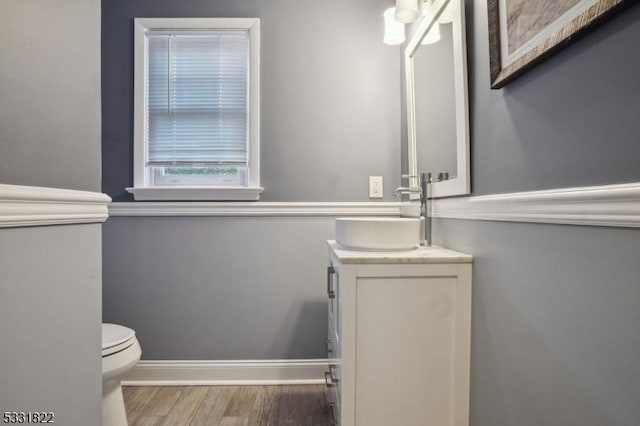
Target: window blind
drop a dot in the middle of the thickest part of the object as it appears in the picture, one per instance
(197, 103)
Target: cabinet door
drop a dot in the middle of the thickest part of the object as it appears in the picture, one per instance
(405, 334)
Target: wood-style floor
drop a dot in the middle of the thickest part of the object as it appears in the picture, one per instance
(226, 405)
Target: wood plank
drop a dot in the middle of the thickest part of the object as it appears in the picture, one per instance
(317, 412)
(213, 405)
(185, 407)
(299, 405)
(148, 421)
(162, 401)
(127, 391)
(323, 415)
(233, 421)
(293, 403)
(135, 400)
(242, 402)
(267, 406)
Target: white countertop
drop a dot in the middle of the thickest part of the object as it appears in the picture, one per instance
(433, 254)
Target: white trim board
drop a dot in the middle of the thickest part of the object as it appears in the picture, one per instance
(282, 209)
(35, 206)
(606, 205)
(209, 373)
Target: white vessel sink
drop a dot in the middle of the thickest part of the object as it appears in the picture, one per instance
(378, 233)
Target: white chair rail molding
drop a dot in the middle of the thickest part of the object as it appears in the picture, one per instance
(239, 208)
(604, 205)
(36, 206)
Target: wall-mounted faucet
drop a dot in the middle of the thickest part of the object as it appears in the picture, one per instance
(425, 180)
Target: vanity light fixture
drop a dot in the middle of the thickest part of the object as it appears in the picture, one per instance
(433, 36)
(407, 11)
(393, 30)
(448, 15)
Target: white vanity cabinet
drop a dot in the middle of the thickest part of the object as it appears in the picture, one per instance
(399, 337)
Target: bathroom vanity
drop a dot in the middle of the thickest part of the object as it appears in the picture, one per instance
(399, 337)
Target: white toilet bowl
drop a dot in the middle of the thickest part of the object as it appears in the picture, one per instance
(120, 353)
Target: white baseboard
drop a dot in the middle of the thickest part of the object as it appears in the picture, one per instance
(253, 372)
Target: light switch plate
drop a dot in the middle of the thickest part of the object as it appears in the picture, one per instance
(375, 187)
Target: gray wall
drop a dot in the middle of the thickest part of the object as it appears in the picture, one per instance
(555, 308)
(555, 323)
(571, 121)
(50, 292)
(330, 101)
(219, 288)
(50, 92)
(50, 322)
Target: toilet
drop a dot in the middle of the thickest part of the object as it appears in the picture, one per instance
(120, 353)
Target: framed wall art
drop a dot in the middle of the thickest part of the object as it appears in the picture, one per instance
(522, 33)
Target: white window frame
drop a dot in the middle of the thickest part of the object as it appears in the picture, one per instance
(142, 184)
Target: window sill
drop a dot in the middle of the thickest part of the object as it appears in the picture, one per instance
(194, 193)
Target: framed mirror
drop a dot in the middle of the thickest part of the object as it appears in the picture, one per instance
(437, 98)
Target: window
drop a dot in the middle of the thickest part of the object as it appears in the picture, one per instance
(196, 126)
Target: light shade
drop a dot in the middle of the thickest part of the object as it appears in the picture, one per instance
(393, 30)
(448, 14)
(407, 11)
(433, 36)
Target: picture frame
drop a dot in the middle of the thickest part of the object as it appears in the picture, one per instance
(523, 33)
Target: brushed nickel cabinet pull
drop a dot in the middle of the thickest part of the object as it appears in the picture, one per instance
(332, 413)
(327, 379)
(330, 291)
(333, 379)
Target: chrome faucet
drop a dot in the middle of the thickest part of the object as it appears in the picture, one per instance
(407, 190)
(425, 180)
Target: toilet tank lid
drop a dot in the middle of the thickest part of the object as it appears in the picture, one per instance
(114, 334)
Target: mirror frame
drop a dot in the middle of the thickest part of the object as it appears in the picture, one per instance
(461, 184)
